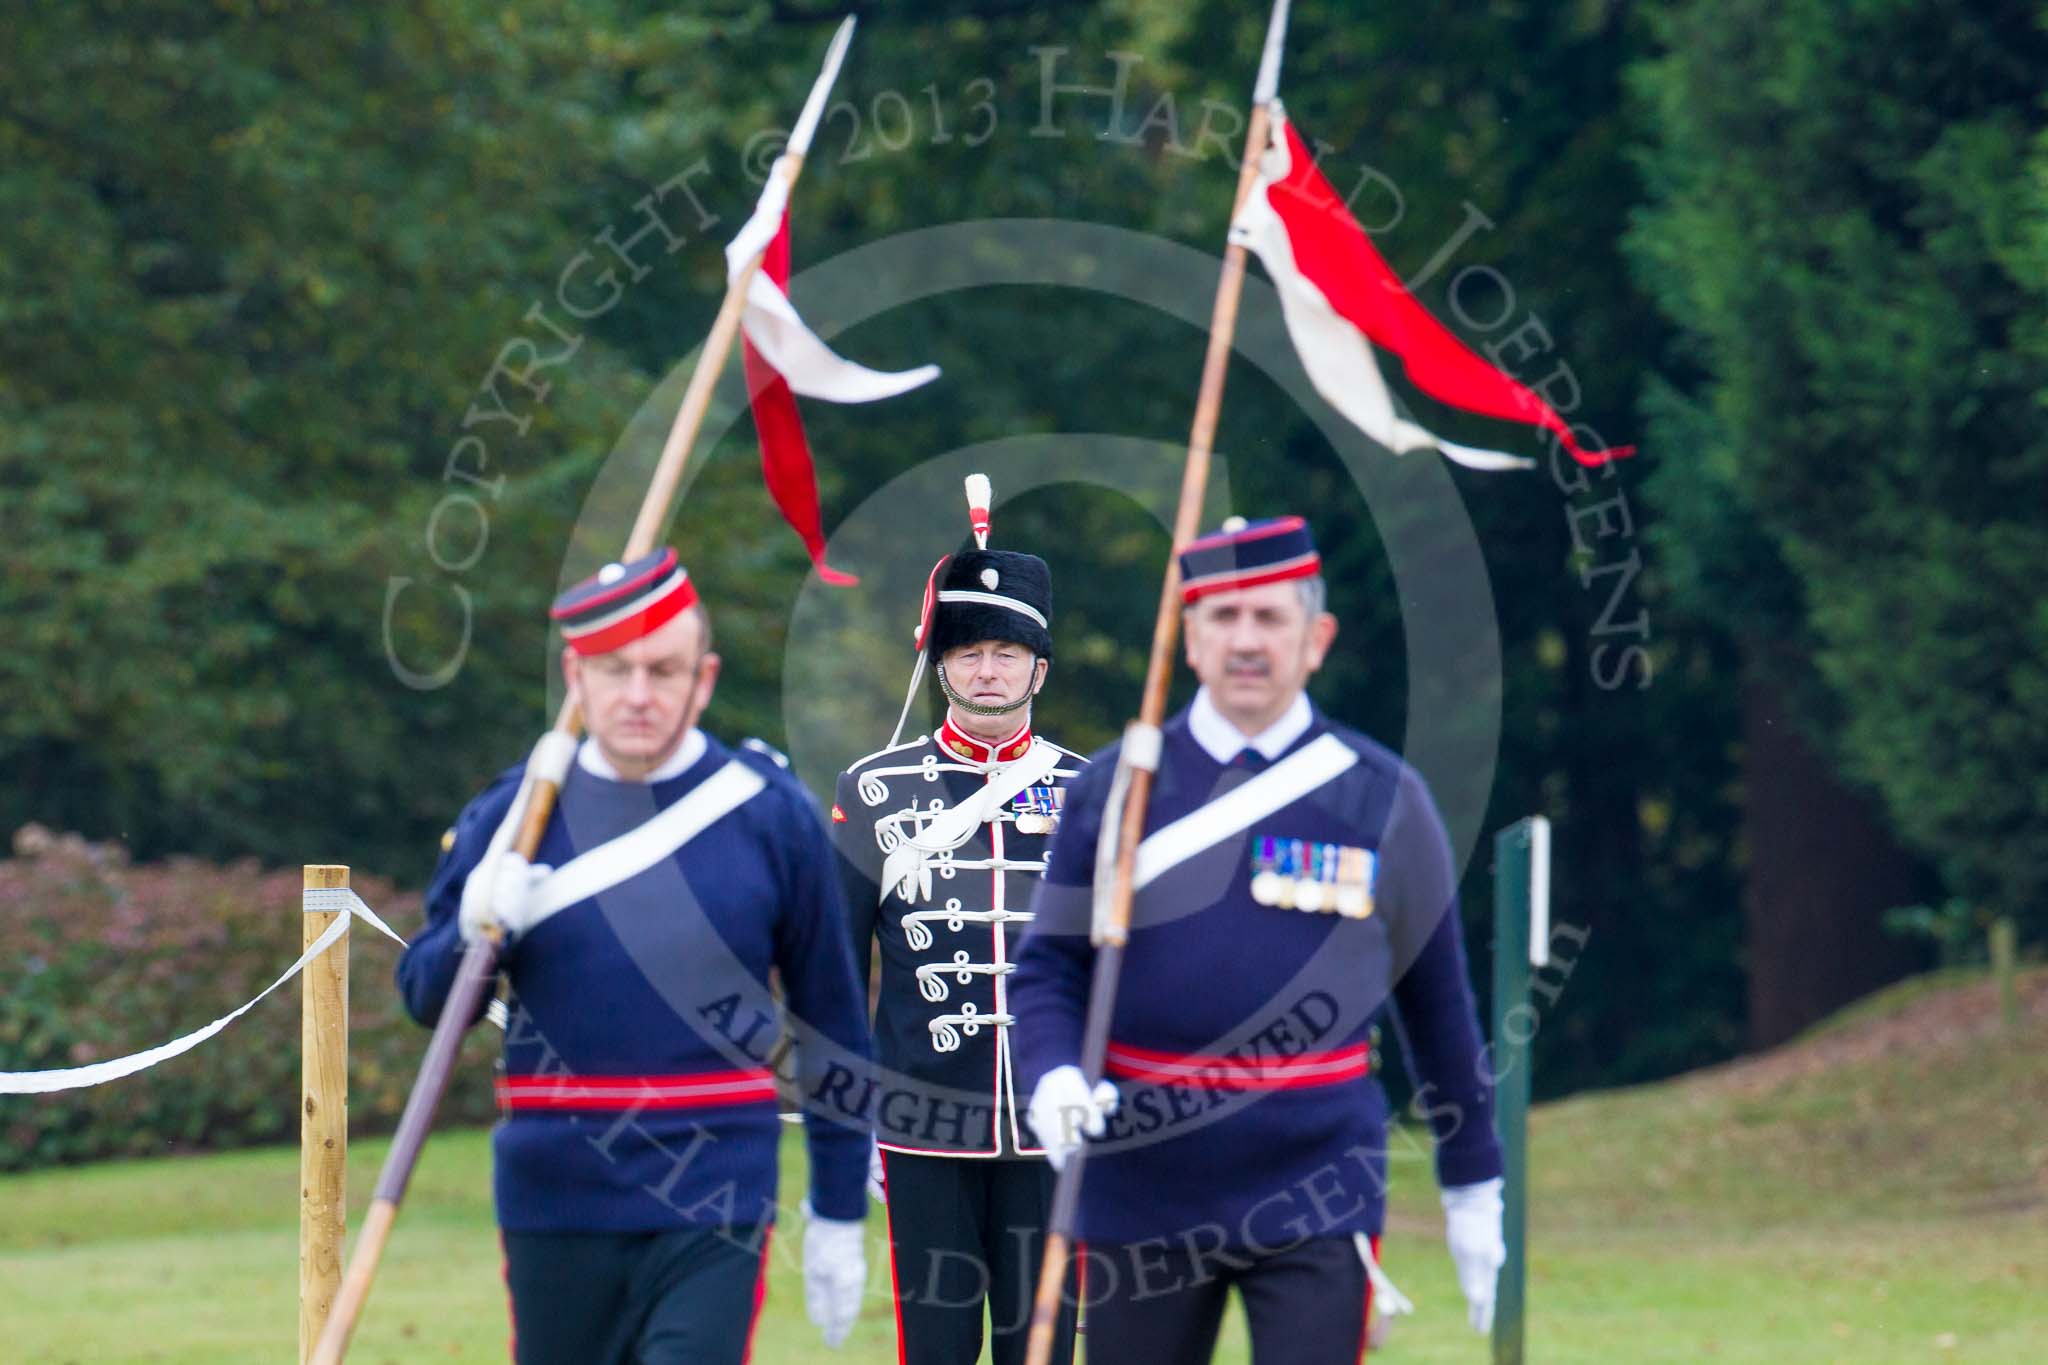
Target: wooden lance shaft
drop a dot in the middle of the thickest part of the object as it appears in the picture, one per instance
(473, 978)
(323, 1112)
(1130, 821)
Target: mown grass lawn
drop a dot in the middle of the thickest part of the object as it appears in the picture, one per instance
(1886, 1208)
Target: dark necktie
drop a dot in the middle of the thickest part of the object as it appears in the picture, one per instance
(1250, 761)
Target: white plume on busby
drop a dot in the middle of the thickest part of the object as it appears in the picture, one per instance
(981, 594)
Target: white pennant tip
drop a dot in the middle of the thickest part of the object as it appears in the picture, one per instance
(1489, 461)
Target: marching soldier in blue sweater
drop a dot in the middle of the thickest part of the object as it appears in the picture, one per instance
(1294, 876)
(941, 842)
(636, 1160)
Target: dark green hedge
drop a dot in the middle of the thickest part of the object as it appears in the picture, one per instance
(99, 959)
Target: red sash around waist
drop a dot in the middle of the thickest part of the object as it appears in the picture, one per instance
(1302, 1071)
(697, 1090)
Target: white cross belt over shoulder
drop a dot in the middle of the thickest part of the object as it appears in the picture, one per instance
(920, 842)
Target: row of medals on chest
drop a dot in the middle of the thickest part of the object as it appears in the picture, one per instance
(1293, 874)
(1036, 810)
(1299, 874)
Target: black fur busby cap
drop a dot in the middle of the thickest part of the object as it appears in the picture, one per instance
(993, 595)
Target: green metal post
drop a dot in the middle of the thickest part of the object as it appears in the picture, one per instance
(2005, 971)
(1521, 940)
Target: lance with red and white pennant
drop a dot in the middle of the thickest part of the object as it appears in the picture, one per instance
(1339, 299)
(1123, 818)
(549, 763)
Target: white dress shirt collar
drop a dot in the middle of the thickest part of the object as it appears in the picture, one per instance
(1223, 741)
(591, 759)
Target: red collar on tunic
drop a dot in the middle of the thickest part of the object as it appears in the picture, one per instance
(959, 744)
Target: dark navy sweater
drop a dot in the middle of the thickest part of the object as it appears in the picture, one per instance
(640, 1065)
(1239, 1029)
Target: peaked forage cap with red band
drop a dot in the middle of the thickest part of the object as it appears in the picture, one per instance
(621, 603)
(1245, 554)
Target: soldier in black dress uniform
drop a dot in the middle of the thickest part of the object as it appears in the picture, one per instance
(942, 840)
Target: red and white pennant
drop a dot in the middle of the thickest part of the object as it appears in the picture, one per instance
(783, 358)
(1341, 299)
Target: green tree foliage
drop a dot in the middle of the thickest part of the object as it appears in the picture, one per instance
(1849, 227)
(259, 265)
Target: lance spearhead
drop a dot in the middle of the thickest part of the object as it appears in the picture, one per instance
(1269, 63)
(814, 107)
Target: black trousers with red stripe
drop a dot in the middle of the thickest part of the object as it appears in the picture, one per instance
(688, 1297)
(1157, 1303)
(963, 1233)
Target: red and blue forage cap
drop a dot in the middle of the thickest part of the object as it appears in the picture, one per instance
(621, 603)
(1245, 554)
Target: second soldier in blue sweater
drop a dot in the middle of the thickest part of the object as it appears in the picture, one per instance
(1293, 877)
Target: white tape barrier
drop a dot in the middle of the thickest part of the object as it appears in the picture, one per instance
(99, 1073)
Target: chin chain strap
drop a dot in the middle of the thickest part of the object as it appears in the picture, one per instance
(974, 708)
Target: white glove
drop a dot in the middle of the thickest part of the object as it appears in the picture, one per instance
(878, 1183)
(498, 893)
(1472, 1228)
(1063, 1109)
(835, 1273)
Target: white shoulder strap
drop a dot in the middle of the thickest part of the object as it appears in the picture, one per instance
(954, 826)
(617, 860)
(1286, 782)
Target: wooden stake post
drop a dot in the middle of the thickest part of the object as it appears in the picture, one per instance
(323, 1113)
